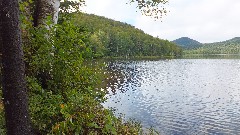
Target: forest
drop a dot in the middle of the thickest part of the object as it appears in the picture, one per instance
(116, 39)
(228, 47)
(63, 91)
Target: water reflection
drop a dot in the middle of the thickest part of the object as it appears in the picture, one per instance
(179, 96)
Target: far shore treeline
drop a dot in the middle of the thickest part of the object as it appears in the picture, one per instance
(194, 48)
(109, 38)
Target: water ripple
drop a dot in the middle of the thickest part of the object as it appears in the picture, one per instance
(178, 97)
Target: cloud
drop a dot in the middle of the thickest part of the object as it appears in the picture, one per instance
(120, 11)
(203, 20)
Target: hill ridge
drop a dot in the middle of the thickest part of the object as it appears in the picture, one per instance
(118, 39)
(230, 46)
(187, 43)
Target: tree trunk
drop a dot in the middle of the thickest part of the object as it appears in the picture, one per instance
(44, 8)
(13, 81)
(55, 5)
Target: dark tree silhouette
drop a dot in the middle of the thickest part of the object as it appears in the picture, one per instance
(13, 81)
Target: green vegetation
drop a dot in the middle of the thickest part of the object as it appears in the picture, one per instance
(187, 43)
(229, 47)
(116, 39)
(64, 92)
(193, 48)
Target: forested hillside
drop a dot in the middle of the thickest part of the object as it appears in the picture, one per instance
(231, 46)
(116, 39)
(187, 43)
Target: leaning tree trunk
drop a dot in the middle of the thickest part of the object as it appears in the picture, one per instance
(13, 82)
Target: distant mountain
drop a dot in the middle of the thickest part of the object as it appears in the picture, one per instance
(231, 46)
(235, 40)
(187, 43)
(230, 41)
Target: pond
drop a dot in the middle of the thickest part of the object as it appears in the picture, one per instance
(179, 96)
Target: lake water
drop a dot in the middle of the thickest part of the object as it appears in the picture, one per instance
(179, 96)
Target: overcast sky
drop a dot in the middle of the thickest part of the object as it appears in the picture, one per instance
(203, 20)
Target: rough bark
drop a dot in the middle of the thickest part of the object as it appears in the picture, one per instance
(0, 41)
(13, 82)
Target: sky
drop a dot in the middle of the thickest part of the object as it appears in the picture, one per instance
(206, 21)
